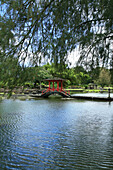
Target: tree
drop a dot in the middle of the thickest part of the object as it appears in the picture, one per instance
(104, 77)
(11, 73)
(94, 74)
(79, 69)
(52, 28)
(40, 74)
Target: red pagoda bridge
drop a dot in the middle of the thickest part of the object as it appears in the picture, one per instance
(59, 90)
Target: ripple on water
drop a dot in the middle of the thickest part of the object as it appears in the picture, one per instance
(53, 134)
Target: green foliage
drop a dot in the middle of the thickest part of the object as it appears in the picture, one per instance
(94, 73)
(37, 74)
(52, 28)
(37, 30)
(10, 73)
(111, 73)
(104, 77)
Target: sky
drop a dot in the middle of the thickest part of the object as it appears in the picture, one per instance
(74, 56)
(71, 58)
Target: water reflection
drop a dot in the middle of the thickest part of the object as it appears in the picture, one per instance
(94, 94)
(56, 134)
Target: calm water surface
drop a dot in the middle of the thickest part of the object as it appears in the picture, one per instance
(94, 94)
(56, 134)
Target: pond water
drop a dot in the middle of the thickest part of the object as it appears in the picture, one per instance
(94, 94)
(56, 134)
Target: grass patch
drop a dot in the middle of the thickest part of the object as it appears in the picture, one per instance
(92, 91)
(75, 89)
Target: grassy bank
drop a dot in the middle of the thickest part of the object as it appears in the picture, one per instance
(72, 91)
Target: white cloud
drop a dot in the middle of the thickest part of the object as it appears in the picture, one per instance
(74, 56)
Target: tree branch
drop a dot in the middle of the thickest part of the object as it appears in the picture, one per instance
(89, 21)
(35, 23)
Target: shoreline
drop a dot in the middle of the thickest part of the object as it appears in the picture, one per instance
(38, 96)
(28, 94)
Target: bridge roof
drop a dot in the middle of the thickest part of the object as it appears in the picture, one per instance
(55, 79)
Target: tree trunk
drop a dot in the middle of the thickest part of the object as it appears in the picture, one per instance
(40, 85)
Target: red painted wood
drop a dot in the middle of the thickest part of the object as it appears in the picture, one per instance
(57, 81)
(53, 86)
(61, 85)
(57, 85)
(59, 89)
(49, 85)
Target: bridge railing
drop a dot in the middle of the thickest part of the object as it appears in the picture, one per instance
(65, 92)
(59, 90)
(47, 90)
